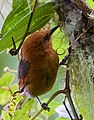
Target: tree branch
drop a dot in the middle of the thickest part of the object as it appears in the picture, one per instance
(51, 98)
(67, 108)
(66, 91)
(87, 11)
(83, 6)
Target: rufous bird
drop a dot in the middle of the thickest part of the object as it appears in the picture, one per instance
(39, 64)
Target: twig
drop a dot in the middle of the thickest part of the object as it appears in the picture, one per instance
(87, 11)
(68, 95)
(15, 51)
(85, 31)
(83, 6)
(66, 91)
(51, 98)
(1, 9)
(28, 26)
(67, 108)
(7, 88)
(2, 15)
(7, 69)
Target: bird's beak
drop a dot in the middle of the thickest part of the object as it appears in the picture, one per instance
(48, 35)
(53, 30)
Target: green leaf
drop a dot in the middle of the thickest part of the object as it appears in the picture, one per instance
(20, 9)
(60, 43)
(90, 3)
(5, 116)
(23, 113)
(13, 103)
(62, 119)
(4, 84)
(6, 79)
(17, 28)
(15, 113)
(10, 110)
(20, 3)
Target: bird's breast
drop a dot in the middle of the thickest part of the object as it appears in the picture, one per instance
(41, 75)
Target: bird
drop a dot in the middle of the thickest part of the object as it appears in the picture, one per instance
(39, 63)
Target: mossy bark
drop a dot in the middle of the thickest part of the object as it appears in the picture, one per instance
(81, 60)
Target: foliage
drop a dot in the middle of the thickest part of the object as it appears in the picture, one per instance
(16, 22)
(15, 26)
(5, 87)
(90, 3)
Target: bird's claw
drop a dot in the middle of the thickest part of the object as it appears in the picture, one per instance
(44, 106)
(13, 51)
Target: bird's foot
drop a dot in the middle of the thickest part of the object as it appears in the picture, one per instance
(45, 106)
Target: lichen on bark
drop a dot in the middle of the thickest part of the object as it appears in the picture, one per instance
(81, 60)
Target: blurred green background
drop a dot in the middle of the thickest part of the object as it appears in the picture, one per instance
(6, 60)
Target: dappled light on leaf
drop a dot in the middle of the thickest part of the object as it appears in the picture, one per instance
(41, 16)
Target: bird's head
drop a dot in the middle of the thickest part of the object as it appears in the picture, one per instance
(39, 40)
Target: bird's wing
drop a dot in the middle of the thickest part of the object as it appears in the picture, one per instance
(23, 69)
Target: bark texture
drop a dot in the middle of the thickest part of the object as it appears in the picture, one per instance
(81, 61)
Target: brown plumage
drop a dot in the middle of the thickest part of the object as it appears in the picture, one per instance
(39, 63)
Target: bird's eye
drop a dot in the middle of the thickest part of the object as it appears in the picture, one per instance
(46, 37)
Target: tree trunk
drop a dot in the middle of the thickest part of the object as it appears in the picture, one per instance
(81, 61)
